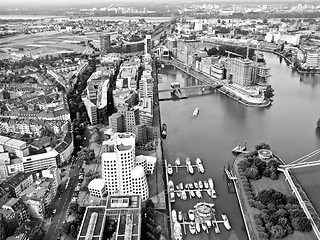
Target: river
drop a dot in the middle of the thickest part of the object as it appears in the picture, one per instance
(288, 126)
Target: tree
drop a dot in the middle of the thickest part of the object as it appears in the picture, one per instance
(269, 92)
(277, 231)
(301, 224)
(262, 146)
(3, 227)
(37, 234)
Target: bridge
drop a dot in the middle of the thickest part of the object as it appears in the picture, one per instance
(190, 87)
(300, 163)
(201, 77)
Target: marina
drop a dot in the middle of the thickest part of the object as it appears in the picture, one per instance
(189, 166)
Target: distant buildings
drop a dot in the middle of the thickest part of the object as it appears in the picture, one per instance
(313, 59)
(105, 44)
(147, 44)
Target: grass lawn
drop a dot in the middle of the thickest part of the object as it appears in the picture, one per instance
(280, 185)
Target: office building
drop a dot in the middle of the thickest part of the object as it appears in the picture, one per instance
(97, 188)
(217, 71)
(18, 183)
(116, 122)
(239, 71)
(147, 44)
(92, 111)
(18, 209)
(131, 118)
(105, 44)
(125, 211)
(313, 59)
(41, 161)
(140, 131)
(118, 164)
(139, 182)
(14, 146)
(146, 87)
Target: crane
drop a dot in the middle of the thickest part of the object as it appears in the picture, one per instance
(232, 53)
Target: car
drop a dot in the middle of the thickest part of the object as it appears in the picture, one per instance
(54, 211)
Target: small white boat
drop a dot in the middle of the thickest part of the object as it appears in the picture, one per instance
(196, 112)
(216, 228)
(192, 194)
(190, 169)
(183, 195)
(191, 215)
(206, 184)
(226, 221)
(196, 185)
(209, 224)
(200, 184)
(171, 186)
(186, 186)
(178, 191)
(181, 186)
(172, 197)
(211, 184)
(198, 228)
(180, 216)
(198, 193)
(178, 162)
(238, 149)
(190, 186)
(192, 228)
(200, 168)
(188, 161)
(174, 215)
(213, 194)
(170, 170)
(177, 233)
(204, 227)
(198, 161)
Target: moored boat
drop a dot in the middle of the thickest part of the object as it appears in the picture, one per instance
(186, 186)
(177, 233)
(206, 184)
(226, 221)
(196, 185)
(164, 131)
(181, 186)
(213, 194)
(198, 161)
(192, 228)
(204, 227)
(180, 216)
(198, 193)
(191, 214)
(178, 162)
(238, 149)
(183, 195)
(171, 186)
(178, 191)
(209, 224)
(216, 228)
(200, 184)
(190, 169)
(198, 228)
(174, 215)
(172, 197)
(192, 194)
(190, 186)
(211, 184)
(170, 170)
(196, 112)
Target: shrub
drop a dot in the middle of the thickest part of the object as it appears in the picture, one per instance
(251, 202)
(292, 200)
(263, 236)
(271, 207)
(262, 146)
(274, 176)
(267, 172)
(253, 173)
(277, 231)
(259, 205)
(301, 224)
(261, 228)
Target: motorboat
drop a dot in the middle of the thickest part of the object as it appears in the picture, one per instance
(185, 217)
(190, 169)
(226, 221)
(170, 170)
(180, 216)
(216, 228)
(196, 112)
(188, 161)
(204, 227)
(211, 184)
(198, 193)
(171, 186)
(196, 185)
(199, 165)
(164, 131)
(186, 186)
(206, 184)
(192, 194)
(213, 194)
(178, 162)
(238, 149)
(183, 195)
(192, 228)
(178, 192)
(191, 215)
(190, 186)
(200, 184)
(181, 186)
(174, 215)
(172, 197)
(209, 224)
(198, 228)
(177, 233)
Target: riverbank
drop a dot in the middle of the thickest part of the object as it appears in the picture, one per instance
(251, 207)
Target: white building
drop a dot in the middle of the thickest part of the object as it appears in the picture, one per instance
(139, 183)
(118, 165)
(313, 59)
(97, 188)
(40, 161)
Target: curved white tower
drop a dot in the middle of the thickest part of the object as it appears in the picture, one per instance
(139, 183)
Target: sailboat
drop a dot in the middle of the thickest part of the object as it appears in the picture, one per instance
(238, 149)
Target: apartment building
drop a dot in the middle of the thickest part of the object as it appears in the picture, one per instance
(239, 71)
(14, 146)
(313, 59)
(92, 111)
(18, 183)
(41, 161)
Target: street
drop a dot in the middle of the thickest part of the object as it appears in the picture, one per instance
(62, 205)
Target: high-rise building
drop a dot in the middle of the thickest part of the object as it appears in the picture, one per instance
(119, 167)
(239, 71)
(147, 44)
(116, 122)
(141, 134)
(131, 119)
(105, 44)
(92, 111)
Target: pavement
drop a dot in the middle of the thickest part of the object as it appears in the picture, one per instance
(62, 205)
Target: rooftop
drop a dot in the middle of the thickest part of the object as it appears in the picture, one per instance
(18, 178)
(37, 190)
(97, 183)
